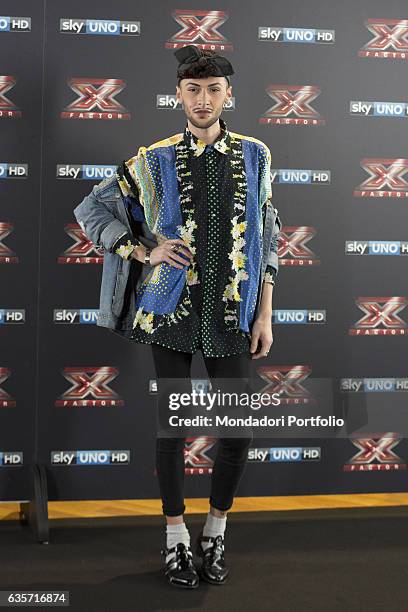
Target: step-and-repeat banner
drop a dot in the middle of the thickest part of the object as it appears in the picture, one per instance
(82, 86)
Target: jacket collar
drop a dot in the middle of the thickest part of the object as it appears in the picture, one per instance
(197, 146)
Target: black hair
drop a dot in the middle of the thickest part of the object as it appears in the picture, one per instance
(200, 69)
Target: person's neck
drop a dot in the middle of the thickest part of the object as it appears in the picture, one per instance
(207, 135)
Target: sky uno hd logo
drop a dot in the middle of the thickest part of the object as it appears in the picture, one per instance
(376, 247)
(292, 249)
(293, 105)
(197, 384)
(288, 454)
(90, 457)
(288, 382)
(15, 24)
(6, 401)
(11, 459)
(295, 35)
(85, 171)
(170, 102)
(375, 454)
(362, 108)
(93, 381)
(83, 251)
(12, 315)
(199, 28)
(386, 178)
(7, 107)
(380, 317)
(96, 99)
(12, 171)
(7, 256)
(99, 26)
(196, 460)
(300, 177)
(299, 317)
(373, 385)
(390, 39)
(86, 316)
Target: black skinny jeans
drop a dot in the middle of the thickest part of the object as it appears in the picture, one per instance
(232, 453)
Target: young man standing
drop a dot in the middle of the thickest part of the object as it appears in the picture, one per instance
(204, 195)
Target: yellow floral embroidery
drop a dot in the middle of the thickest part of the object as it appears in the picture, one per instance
(268, 278)
(125, 249)
(186, 231)
(144, 320)
(238, 259)
(192, 277)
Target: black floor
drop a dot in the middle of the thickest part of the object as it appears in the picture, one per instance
(351, 560)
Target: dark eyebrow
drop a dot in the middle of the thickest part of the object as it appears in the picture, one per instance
(198, 84)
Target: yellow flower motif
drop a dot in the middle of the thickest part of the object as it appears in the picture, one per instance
(238, 259)
(144, 320)
(239, 243)
(238, 228)
(222, 146)
(192, 277)
(242, 275)
(268, 278)
(231, 291)
(125, 249)
(228, 292)
(191, 224)
(197, 148)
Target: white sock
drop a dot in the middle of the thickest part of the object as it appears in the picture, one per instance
(176, 534)
(213, 527)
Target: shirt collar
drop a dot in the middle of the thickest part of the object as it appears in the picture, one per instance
(197, 146)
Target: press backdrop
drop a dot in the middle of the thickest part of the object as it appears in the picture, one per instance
(82, 86)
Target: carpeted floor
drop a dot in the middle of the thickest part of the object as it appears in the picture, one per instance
(351, 560)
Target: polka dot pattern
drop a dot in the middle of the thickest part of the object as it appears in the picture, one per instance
(202, 330)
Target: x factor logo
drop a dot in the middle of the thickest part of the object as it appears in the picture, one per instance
(96, 99)
(6, 255)
(375, 454)
(201, 28)
(293, 105)
(390, 39)
(81, 252)
(7, 107)
(287, 381)
(292, 249)
(6, 401)
(92, 381)
(386, 178)
(195, 455)
(380, 317)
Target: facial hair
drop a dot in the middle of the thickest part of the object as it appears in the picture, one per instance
(202, 126)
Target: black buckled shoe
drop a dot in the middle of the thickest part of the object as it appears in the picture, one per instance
(213, 569)
(180, 570)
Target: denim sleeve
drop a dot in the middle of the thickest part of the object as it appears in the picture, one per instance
(273, 259)
(265, 182)
(265, 200)
(95, 215)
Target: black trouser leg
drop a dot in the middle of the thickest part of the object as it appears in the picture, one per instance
(170, 451)
(232, 453)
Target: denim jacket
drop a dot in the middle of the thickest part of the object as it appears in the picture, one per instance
(104, 218)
